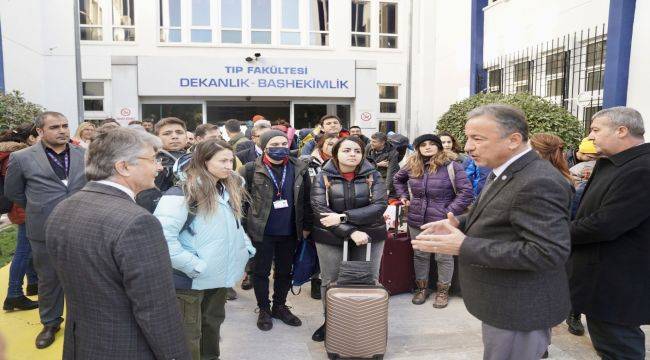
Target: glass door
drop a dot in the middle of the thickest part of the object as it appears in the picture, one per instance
(307, 115)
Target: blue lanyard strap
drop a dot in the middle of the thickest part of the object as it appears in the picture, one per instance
(275, 182)
(66, 162)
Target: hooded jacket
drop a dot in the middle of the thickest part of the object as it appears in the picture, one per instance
(17, 214)
(352, 198)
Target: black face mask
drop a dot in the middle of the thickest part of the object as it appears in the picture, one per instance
(278, 153)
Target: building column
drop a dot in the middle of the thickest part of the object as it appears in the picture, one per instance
(2, 68)
(477, 75)
(617, 60)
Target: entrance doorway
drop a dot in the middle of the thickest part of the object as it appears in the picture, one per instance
(308, 115)
(218, 112)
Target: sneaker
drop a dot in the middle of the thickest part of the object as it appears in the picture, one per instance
(231, 294)
(19, 303)
(264, 320)
(282, 312)
(319, 334)
(247, 283)
(575, 325)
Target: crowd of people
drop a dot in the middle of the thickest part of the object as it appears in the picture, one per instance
(146, 230)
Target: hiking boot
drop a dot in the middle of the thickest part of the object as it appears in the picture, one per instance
(282, 312)
(575, 325)
(32, 289)
(315, 289)
(264, 320)
(247, 283)
(19, 303)
(231, 294)
(442, 296)
(319, 334)
(421, 294)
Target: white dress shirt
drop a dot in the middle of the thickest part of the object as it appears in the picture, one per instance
(119, 187)
(499, 170)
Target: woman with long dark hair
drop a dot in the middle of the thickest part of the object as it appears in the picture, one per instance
(201, 220)
(432, 184)
(349, 200)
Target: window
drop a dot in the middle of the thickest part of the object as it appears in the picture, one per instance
(290, 34)
(93, 95)
(387, 125)
(201, 31)
(90, 20)
(388, 25)
(318, 22)
(361, 12)
(123, 20)
(170, 20)
(388, 99)
(192, 114)
(595, 58)
(231, 21)
(588, 113)
(555, 65)
(521, 76)
(494, 80)
(260, 21)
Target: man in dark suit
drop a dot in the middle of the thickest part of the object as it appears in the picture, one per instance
(610, 238)
(514, 243)
(38, 178)
(250, 151)
(112, 258)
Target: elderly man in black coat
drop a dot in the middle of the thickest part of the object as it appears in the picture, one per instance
(610, 238)
(112, 258)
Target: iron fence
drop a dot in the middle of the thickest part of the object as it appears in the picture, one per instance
(568, 71)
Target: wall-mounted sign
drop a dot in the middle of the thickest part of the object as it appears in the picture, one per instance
(366, 116)
(192, 76)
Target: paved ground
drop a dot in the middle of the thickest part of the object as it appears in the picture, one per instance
(415, 332)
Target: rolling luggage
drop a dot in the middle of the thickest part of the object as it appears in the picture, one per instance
(357, 313)
(396, 273)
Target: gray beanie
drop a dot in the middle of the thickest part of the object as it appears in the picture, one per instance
(268, 135)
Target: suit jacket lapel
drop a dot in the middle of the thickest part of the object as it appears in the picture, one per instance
(44, 163)
(76, 164)
(499, 183)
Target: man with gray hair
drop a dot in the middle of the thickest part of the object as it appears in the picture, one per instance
(610, 238)
(112, 258)
(247, 153)
(38, 178)
(514, 243)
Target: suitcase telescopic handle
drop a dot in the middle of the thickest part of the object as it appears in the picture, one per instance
(345, 250)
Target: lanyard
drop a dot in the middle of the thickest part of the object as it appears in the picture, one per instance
(66, 162)
(275, 182)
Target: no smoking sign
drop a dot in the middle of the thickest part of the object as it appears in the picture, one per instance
(366, 116)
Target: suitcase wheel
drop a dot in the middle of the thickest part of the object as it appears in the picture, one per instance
(332, 356)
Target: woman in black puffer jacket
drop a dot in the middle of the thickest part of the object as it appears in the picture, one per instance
(349, 200)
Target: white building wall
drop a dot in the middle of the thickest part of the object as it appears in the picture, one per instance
(513, 25)
(639, 80)
(38, 49)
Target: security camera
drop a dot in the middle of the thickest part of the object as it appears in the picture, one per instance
(249, 59)
(257, 55)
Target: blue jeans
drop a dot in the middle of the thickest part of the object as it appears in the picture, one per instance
(21, 265)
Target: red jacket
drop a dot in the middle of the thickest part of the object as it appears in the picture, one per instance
(17, 214)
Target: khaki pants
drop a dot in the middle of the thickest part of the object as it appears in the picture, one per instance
(203, 313)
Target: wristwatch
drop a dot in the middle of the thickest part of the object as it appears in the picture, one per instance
(344, 218)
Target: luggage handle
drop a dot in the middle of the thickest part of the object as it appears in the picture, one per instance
(345, 250)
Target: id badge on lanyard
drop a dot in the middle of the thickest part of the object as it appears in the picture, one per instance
(280, 203)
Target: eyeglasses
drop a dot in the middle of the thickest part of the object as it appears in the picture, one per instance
(156, 160)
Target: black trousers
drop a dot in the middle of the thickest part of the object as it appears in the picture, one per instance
(616, 342)
(278, 250)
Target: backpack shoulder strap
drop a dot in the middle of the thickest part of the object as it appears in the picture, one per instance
(369, 181)
(452, 175)
(191, 213)
(249, 173)
(326, 182)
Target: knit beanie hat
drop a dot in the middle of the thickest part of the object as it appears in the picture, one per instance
(427, 137)
(268, 135)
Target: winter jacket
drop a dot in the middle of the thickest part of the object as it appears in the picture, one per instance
(247, 155)
(315, 164)
(236, 140)
(17, 214)
(310, 145)
(477, 175)
(433, 194)
(351, 198)
(216, 255)
(387, 153)
(261, 190)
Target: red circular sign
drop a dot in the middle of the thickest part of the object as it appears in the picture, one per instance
(125, 112)
(366, 116)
